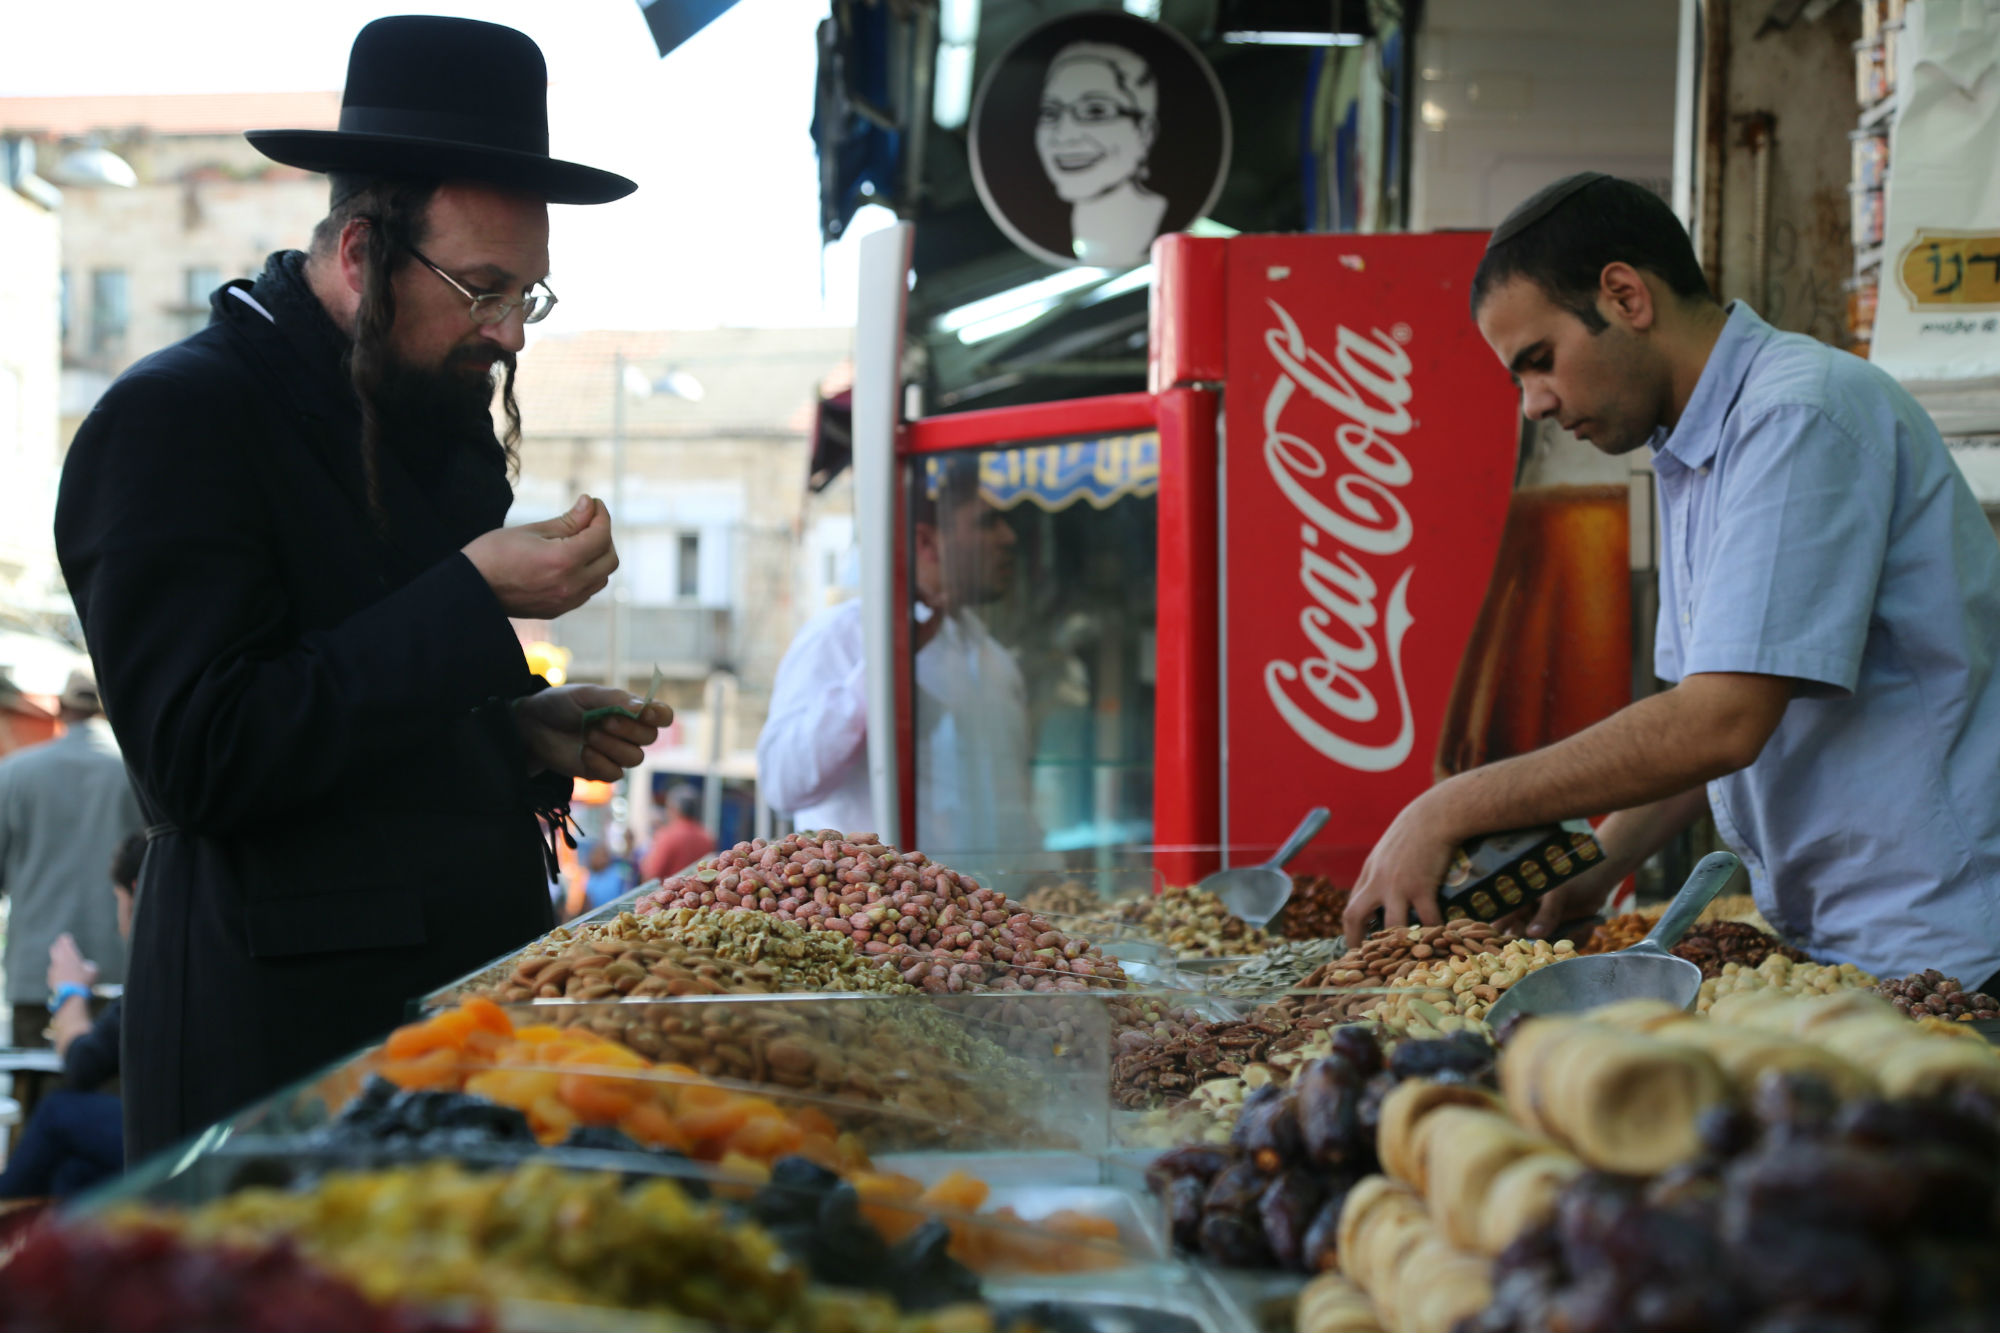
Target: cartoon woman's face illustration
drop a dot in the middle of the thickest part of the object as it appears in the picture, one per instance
(1090, 135)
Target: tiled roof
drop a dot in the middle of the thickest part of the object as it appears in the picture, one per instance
(171, 113)
(753, 381)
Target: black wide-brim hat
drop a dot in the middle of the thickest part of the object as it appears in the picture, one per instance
(445, 99)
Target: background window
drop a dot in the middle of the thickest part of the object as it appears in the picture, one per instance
(110, 311)
(687, 569)
(197, 284)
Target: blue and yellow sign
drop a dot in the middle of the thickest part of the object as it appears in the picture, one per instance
(1099, 472)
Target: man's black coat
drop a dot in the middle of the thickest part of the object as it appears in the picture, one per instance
(314, 712)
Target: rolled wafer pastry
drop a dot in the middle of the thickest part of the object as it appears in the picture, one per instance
(1641, 1015)
(1330, 1303)
(1465, 1148)
(1746, 1054)
(1399, 1291)
(1445, 1288)
(1621, 1101)
(1523, 1195)
(1521, 1061)
(1404, 1109)
(1369, 1193)
(1627, 1102)
(1385, 1236)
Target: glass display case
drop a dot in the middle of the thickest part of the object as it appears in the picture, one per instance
(1033, 594)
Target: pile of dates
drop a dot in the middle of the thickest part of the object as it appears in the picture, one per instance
(1712, 945)
(1933, 994)
(1802, 1215)
(1271, 1198)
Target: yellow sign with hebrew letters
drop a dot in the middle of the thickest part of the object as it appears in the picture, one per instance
(1951, 270)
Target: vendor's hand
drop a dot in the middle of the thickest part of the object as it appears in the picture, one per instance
(68, 966)
(1404, 870)
(542, 570)
(551, 726)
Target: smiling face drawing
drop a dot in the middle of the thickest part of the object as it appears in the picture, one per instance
(1096, 123)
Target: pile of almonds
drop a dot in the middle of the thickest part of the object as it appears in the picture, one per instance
(940, 930)
(1932, 993)
(1384, 959)
(1464, 986)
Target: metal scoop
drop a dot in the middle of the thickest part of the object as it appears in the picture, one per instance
(1258, 893)
(1645, 971)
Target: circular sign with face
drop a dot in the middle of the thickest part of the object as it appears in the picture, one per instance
(1096, 133)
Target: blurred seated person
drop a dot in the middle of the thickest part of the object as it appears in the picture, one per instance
(606, 875)
(682, 840)
(76, 1137)
(973, 736)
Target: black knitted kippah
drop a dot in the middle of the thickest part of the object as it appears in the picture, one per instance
(1542, 203)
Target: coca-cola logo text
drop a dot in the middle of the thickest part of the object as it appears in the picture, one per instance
(1335, 689)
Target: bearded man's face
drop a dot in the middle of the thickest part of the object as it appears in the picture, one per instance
(487, 240)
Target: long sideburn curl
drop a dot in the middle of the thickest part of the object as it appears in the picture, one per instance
(394, 222)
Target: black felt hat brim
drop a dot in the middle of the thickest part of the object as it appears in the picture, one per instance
(555, 180)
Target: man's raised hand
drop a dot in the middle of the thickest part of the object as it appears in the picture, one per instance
(542, 570)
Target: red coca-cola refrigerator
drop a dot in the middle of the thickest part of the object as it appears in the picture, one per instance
(1325, 586)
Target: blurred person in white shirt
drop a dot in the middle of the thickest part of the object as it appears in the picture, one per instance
(973, 737)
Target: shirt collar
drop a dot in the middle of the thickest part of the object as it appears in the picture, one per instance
(1693, 440)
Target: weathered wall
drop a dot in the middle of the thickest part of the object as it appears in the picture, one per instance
(1803, 78)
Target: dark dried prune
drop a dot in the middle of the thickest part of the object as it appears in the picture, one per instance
(1286, 1210)
(1200, 1161)
(1329, 1111)
(1234, 1240)
(1811, 1267)
(1821, 1184)
(1235, 1189)
(1794, 1107)
(1184, 1197)
(1320, 1251)
(1726, 1131)
(1358, 1046)
(1463, 1053)
(1269, 1133)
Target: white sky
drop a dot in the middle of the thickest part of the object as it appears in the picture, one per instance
(724, 229)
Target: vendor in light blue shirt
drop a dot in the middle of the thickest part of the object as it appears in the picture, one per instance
(1829, 611)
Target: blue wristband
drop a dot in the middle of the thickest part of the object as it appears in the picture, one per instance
(66, 992)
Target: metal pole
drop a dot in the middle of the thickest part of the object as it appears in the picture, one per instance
(614, 661)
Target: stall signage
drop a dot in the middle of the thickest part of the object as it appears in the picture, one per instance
(1951, 271)
(1371, 438)
(1098, 472)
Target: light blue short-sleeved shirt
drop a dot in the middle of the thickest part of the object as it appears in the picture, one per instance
(1814, 526)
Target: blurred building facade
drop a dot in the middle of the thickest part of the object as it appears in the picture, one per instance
(723, 552)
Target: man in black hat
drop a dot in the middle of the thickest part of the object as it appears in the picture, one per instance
(284, 538)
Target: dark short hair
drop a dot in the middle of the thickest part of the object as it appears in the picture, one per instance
(685, 798)
(1565, 234)
(125, 862)
(944, 485)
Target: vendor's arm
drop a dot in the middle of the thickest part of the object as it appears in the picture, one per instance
(817, 729)
(1653, 751)
(1628, 838)
(227, 714)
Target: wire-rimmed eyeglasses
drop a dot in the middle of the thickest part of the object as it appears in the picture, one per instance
(491, 308)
